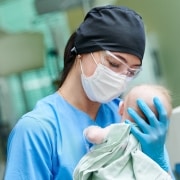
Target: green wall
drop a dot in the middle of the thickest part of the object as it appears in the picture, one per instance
(162, 17)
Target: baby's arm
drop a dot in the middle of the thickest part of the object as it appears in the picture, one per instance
(96, 134)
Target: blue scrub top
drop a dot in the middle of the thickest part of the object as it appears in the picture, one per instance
(48, 142)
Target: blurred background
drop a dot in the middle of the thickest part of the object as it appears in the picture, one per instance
(33, 34)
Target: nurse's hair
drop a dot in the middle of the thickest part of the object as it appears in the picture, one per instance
(146, 92)
(69, 59)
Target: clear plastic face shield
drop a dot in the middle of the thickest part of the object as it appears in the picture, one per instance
(118, 65)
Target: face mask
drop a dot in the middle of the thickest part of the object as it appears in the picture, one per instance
(104, 85)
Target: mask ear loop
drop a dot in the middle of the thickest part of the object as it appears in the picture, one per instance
(79, 57)
(81, 63)
(94, 58)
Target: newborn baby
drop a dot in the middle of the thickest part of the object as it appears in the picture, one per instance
(116, 153)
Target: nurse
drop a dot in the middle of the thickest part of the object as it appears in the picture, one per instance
(101, 58)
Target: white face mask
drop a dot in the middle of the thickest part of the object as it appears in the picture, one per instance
(104, 85)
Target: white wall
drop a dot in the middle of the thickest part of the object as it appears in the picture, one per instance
(173, 138)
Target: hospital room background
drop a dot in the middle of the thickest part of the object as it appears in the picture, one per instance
(33, 34)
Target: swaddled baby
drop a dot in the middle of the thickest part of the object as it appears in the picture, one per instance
(116, 153)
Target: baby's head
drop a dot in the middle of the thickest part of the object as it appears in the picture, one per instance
(145, 92)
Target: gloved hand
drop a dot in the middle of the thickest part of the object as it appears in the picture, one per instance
(152, 136)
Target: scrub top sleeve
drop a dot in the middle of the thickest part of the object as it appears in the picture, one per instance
(29, 151)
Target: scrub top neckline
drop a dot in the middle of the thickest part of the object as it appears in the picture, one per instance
(79, 110)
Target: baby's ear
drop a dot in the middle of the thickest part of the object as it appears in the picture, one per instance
(121, 108)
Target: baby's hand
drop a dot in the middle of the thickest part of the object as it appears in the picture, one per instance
(95, 134)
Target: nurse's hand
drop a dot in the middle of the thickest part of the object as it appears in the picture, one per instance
(152, 136)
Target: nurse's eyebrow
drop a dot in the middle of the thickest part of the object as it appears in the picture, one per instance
(125, 60)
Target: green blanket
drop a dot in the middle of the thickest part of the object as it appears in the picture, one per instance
(119, 157)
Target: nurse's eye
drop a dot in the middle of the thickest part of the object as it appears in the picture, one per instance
(113, 62)
(131, 73)
(114, 65)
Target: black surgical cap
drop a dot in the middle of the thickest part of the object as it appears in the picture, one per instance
(113, 28)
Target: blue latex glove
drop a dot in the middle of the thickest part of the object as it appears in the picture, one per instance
(152, 136)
